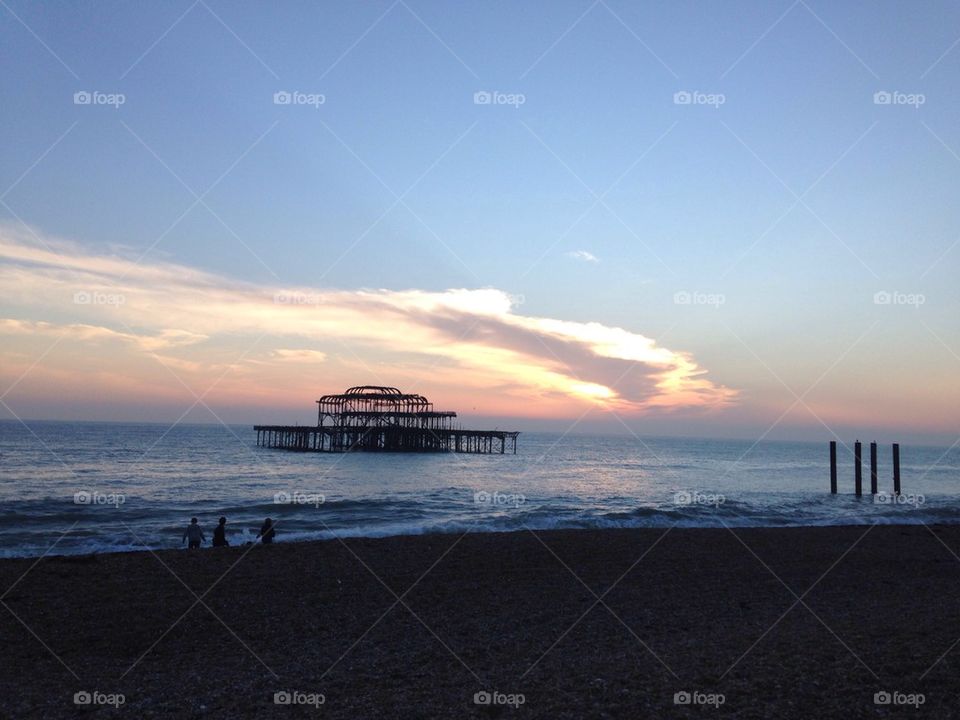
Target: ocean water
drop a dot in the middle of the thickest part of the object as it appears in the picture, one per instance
(68, 488)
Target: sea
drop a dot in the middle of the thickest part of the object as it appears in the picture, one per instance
(93, 487)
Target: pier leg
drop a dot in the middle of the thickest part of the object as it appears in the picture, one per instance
(896, 468)
(858, 468)
(833, 467)
(873, 468)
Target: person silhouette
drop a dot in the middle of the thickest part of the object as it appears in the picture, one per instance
(194, 533)
(267, 532)
(220, 534)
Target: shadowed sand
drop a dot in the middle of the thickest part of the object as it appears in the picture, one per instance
(413, 627)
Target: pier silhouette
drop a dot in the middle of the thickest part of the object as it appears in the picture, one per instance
(378, 418)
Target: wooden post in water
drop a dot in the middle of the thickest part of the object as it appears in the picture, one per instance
(858, 468)
(833, 467)
(896, 468)
(873, 468)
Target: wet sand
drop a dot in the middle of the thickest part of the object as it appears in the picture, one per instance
(610, 623)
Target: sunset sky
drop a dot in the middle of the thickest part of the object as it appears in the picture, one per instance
(732, 219)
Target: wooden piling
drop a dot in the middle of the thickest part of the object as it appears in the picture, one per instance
(896, 468)
(873, 468)
(339, 438)
(833, 467)
(858, 468)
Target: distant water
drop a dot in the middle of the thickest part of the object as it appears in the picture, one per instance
(98, 487)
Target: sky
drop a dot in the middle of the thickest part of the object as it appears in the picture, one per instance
(721, 219)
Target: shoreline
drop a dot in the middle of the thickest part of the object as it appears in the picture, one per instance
(418, 625)
(387, 535)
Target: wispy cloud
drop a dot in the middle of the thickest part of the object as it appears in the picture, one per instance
(583, 256)
(457, 342)
(290, 355)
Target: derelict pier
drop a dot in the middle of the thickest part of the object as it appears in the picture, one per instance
(376, 418)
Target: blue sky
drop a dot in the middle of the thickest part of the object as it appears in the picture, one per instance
(796, 200)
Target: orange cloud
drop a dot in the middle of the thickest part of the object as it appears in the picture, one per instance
(214, 329)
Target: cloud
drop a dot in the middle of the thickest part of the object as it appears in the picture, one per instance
(461, 340)
(298, 356)
(583, 256)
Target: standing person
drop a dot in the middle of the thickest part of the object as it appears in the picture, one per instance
(267, 532)
(220, 534)
(194, 533)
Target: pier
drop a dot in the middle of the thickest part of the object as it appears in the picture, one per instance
(375, 418)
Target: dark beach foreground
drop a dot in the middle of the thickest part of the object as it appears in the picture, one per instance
(753, 623)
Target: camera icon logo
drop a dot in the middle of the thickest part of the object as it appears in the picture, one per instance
(682, 498)
(882, 297)
(882, 97)
(82, 98)
(482, 97)
(681, 298)
(82, 297)
(82, 497)
(881, 498)
(682, 698)
(282, 498)
(482, 698)
(882, 698)
(82, 698)
(282, 697)
(682, 97)
(282, 97)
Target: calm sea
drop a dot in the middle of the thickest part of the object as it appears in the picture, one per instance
(98, 487)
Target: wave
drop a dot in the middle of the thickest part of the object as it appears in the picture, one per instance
(160, 534)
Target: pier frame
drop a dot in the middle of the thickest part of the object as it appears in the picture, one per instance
(377, 418)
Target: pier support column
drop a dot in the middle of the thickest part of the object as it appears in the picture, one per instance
(858, 468)
(896, 468)
(833, 467)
